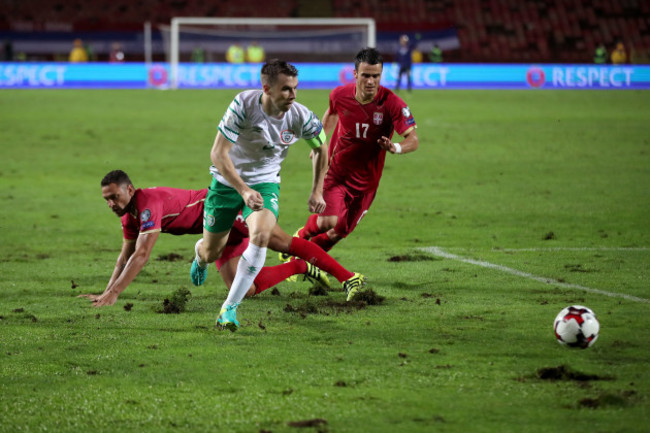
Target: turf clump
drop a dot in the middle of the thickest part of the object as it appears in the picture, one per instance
(175, 304)
(563, 372)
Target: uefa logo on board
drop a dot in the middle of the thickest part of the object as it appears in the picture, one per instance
(535, 76)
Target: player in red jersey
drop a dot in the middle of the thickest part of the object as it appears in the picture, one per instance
(363, 117)
(145, 213)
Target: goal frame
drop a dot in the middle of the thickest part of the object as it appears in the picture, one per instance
(176, 22)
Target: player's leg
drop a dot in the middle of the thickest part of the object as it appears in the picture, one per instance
(260, 225)
(327, 240)
(221, 206)
(316, 256)
(206, 250)
(280, 241)
(227, 263)
(315, 225)
(336, 197)
(228, 270)
(210, 247)
(268, 276)
(358, 206)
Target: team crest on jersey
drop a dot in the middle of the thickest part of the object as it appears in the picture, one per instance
(377, 118)
(287, 136)
(145, 215)
(208, 220)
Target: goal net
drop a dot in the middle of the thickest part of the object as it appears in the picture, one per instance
(292, 39)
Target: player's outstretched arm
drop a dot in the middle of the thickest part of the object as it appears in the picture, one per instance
(135, 263)
(128, 247)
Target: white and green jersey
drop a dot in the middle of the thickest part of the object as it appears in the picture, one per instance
(261, 142)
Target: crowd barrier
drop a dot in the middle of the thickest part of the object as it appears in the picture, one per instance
(323, 76)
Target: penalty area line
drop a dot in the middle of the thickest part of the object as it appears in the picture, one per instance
(439, 252)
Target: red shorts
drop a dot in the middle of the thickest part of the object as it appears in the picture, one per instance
(347, 204)
(236, 244)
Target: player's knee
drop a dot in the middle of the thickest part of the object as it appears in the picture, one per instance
(210, 254)
(327, 223)
(261, 238)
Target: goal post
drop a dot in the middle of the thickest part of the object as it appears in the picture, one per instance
(368, 24)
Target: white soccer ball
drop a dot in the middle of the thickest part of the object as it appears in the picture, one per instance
(576, 326)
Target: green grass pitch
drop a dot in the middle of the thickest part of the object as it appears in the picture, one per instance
(535, 200)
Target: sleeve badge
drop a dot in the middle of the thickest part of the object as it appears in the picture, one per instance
(145, 215)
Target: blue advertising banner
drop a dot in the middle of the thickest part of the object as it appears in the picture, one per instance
(323, 76)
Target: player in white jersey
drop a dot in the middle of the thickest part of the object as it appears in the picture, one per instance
(262, 141)
(253, 139)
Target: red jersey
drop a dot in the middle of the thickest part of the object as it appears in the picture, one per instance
(355, 157)
(175, 211)
(238, 232)
(170, 210)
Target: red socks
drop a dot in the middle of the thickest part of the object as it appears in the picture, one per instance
(323, 241)
(269, 276)
(311, 232)
(315, 255)
(311, 227)
(313, 251)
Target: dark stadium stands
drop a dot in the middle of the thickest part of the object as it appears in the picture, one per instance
(488, 30)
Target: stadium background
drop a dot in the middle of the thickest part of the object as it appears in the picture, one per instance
(504, 31)
(546, 183)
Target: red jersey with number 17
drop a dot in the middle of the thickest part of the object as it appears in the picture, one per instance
(356, 159)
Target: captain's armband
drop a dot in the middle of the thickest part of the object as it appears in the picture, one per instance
(318, 140)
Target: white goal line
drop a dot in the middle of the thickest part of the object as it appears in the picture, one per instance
(439, 252)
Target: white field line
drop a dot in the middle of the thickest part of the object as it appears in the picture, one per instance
(550, 249)
(516, 250)
(437, 251)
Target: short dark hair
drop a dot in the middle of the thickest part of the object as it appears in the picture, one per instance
(117, 177)
(275, 67)
(370, 56)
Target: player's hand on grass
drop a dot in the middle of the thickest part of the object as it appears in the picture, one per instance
(106, 299)
(316, 203)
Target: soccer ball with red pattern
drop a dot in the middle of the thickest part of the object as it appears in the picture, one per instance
(576, 326)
